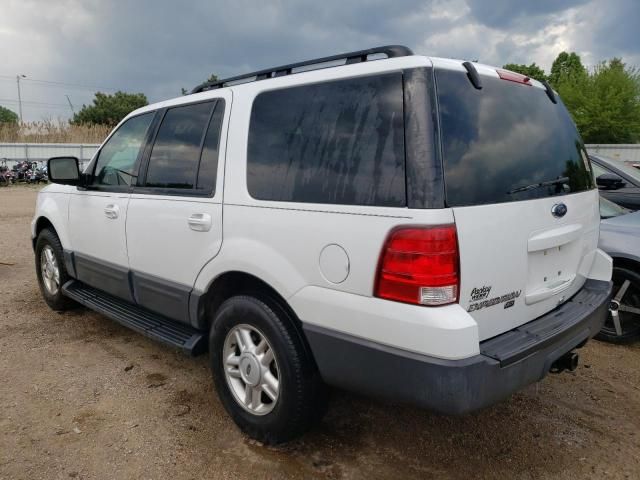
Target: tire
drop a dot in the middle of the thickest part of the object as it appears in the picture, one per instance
(629, 321)
(301, 394)
(49, 241)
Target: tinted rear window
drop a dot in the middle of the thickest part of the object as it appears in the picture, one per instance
(339, 142)
(176, 151)
(505, 137)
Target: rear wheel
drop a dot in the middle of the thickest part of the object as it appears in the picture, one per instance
(623, 322)
(51, 271)
(263, 373)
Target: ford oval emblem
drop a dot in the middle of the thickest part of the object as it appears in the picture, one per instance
(559, 210)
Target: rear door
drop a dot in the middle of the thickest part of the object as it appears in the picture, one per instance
(520, 185)
(174, 221)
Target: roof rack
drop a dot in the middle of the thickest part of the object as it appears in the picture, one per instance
(390, 51)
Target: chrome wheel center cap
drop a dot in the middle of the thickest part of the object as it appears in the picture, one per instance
(250, 369)
(614, 305)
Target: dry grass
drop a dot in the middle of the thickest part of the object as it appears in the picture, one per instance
(50, 131)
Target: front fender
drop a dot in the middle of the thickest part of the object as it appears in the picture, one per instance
(53, 206)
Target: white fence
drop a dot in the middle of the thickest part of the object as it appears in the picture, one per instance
(39, 152)
(629, 153)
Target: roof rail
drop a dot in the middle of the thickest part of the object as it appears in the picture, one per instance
(390, 51)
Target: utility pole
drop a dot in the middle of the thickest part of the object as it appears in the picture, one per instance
(18, 77)
(70, 105)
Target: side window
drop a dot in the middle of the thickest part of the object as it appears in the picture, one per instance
(116, 165)
(176, 151)
(207, 173)
(339, 142)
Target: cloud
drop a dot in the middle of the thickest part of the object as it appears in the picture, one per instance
(506, 13)
(609, 29)
(157, 47)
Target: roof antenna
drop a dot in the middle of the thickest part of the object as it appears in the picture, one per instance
(472, 73)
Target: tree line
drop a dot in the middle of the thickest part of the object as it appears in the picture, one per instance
(604, 101)
(106, 109)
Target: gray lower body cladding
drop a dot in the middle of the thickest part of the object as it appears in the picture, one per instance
(506, 363)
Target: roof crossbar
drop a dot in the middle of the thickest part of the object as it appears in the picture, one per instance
(390, 51)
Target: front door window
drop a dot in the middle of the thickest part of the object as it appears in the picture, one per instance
(118, 159)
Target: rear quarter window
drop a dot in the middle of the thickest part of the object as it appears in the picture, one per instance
(339, 142)
(504, 137)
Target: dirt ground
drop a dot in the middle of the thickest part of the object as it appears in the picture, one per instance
(82, 397)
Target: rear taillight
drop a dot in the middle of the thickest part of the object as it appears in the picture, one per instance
(513, 77)
(419, 265)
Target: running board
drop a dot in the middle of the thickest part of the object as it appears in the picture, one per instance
(150, 324)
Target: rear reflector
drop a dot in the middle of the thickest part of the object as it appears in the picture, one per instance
(419, 265)
(513, 77)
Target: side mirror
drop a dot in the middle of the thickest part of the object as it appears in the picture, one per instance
(610, 181)
(64, 170)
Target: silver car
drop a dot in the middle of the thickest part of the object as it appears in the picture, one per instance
(620, 238)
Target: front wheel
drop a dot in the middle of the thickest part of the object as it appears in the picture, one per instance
(51, 271)
(623, 321)
(263, 373)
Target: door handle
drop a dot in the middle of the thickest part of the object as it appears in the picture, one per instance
(112, 211)
(200, 222)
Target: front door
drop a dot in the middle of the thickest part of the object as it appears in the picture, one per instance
(174, 220)
(98, 214)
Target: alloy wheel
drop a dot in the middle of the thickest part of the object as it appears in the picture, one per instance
(50, 270)
(624, 309)
(251, 369)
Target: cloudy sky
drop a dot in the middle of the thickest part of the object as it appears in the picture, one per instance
(73, 47)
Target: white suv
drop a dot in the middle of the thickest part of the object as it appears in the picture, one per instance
(418, 229)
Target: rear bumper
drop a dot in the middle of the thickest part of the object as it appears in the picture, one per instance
(506, 363)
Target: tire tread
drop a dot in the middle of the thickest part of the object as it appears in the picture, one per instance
(309, 399)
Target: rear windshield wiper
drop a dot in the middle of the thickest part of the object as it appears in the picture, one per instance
(539, 185)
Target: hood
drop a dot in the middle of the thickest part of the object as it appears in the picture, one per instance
(629, 222)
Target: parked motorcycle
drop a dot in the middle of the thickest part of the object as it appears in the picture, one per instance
(6, 175)
(20, 170)
(35, 174)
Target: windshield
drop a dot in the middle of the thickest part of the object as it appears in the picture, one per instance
(608, 209)
(506, 142)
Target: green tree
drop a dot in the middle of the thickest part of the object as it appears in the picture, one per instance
(531, 71)
(212, 78)
(567, 67)
(8, 116)
(570, 79)
(110, 109)
(605, 103)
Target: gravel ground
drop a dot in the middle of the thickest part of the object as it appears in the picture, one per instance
(82, 397)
